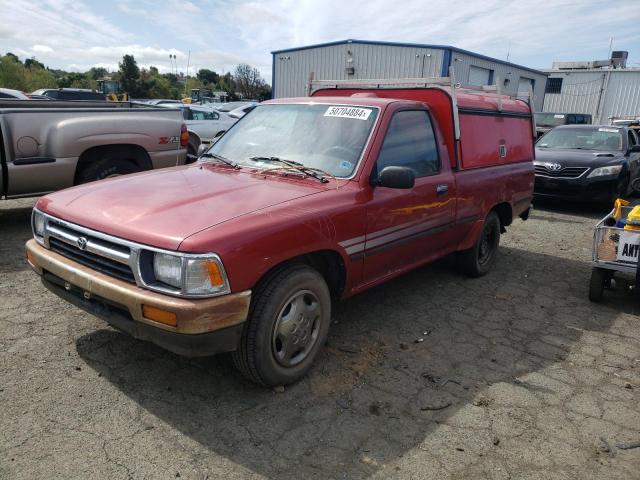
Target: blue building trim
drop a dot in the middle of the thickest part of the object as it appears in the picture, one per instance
(446, 62)
(415, 45)
(273, 75)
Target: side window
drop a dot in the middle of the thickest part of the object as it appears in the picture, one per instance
(198, 115)
(186, 114)
(632, 139)
(410, 142)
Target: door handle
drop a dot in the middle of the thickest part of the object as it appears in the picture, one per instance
(442, 189)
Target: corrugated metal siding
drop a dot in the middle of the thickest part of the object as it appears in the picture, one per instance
(462, 63)
(623, 95)
(581, 91)
(292, 69)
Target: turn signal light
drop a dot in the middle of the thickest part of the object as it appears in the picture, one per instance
(184, 136)
(159, 315)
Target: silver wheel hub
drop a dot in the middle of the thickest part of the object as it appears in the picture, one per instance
(296, 329)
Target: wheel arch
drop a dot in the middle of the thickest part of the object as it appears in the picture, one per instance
(130, 152)
(329, 263)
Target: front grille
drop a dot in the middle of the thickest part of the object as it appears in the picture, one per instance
(92, 260)
(565, 172)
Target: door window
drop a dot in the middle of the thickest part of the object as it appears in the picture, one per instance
(410, 142)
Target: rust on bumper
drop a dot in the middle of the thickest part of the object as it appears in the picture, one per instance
(194, 316)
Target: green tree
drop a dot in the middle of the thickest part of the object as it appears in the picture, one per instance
(130, 76)
(208, 78)
(36, 78)
(12, 72)
(32, 62)
(97, 73)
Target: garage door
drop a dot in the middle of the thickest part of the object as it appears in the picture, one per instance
(524, 84)
(479, 76)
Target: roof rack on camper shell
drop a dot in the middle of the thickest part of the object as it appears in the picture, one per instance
(448, 84)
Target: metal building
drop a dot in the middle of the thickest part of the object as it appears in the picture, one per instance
(361, 59)
(596, 88)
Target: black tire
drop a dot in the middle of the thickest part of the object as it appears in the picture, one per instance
(479, 259)
(106, 167)
(596, 284)
(192, 149)
(257, 355)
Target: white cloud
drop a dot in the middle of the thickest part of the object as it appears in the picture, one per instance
(42, 49)
(79, 34)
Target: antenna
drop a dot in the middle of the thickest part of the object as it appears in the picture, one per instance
(610, 44)
(508, 50)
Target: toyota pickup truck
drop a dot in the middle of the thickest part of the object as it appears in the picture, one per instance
(48, 146)
(302, 202)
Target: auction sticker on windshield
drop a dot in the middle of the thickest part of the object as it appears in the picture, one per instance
(348, 112)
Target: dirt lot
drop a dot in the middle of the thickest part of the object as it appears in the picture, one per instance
(518, 376)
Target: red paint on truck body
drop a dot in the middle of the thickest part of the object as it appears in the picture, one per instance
(254, 222)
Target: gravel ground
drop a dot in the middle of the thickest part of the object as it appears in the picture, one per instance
(517, 376)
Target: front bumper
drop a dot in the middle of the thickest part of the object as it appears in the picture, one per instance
(582, 188)
(204, 326)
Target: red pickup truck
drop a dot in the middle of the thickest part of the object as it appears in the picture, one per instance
(303, 201)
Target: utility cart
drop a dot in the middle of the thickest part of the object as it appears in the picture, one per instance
(615, 249)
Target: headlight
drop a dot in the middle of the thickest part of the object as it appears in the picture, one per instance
(37, 225)
(603, 171)
(197, 275)
(168, 269)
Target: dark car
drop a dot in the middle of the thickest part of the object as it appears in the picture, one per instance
(70, 94)
(546, 121)
(585, 162)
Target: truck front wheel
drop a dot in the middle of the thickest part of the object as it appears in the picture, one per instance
(287, 326)
(479, 259)
(105, 168)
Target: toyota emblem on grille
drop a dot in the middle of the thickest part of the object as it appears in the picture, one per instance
(553, 167)
(82, 243)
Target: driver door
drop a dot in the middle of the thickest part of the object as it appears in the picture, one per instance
(409, 226)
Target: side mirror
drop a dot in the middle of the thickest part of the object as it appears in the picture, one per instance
(202, 148)
(634, 149)
(396, 177)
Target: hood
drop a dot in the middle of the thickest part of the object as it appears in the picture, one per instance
(162, 207)
(578, 158)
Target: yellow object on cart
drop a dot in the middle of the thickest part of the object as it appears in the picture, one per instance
(633, 219)
(617, 208)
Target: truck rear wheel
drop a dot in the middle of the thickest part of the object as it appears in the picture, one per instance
(287, 326)
(105, 168)
(479, 259)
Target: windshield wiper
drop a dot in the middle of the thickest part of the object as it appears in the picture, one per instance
(310, 171)
(215, 156)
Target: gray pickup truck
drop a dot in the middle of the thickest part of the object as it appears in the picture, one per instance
(48, 146)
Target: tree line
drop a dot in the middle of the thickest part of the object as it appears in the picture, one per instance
(31, 75)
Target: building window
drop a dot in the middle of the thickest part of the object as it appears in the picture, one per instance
(554, 85)
(479, 76)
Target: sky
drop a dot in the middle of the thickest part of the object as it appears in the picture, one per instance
(76, 35)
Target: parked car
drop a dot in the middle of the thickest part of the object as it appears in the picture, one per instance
(203, 125)
(47, 146)
(70, 94)
(546, 121)
(589, 163)
(229, 106)
(11, 93)
(240, 112)
(302, 202)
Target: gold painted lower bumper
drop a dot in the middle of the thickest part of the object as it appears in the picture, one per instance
(194, 316)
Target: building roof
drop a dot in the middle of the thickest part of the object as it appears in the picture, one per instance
(415, 45)
(593, 70)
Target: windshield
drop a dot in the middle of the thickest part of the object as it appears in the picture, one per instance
(550, 119)
(328, 137)
(602, 139)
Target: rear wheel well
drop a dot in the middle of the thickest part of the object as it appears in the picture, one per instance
(132, 153)
(505, 214)
(328, 262)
